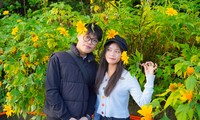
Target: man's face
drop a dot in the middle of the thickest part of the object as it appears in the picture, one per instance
(86, 43)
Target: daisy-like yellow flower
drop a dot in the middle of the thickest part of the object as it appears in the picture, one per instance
(13, 50)
(179, 84)
(171, 12)
(146, 112)
(36, 63)
(8, 110)
(190, 70)
(184, 75)
(91, 1)
(23, 57)
(35, 45)
(0, 83)
(27, 62)
(186, 95)
(45, 59)
(80, 27)
(172, 87)
(96, 8)
(15, 30)
(34, 38)
(105, 18)
(6, 12)
(8, 96)
(1, 51)
(46, 34)
(63, 31)
(124, 57)
(19, 20)
(111, 34)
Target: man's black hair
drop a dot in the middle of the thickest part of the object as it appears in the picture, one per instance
(94, 29)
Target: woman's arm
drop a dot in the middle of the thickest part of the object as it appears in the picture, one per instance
(144, 97)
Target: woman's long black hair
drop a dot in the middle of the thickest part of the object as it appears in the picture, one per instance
(103, 67)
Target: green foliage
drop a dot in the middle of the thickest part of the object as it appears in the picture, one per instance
(26, 45)
(183, 97)
(172, 41)
(22, 6)
(135, 67)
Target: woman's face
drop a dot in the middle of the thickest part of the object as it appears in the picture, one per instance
(113, 53)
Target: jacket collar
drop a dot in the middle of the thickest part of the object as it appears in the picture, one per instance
(90, 56)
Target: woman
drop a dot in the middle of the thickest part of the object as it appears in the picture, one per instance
(114, 83)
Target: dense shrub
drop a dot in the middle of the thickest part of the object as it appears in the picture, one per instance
(161, 31)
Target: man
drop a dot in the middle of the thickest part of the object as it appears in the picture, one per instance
(68, 95)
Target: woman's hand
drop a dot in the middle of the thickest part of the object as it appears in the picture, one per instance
(149, 67)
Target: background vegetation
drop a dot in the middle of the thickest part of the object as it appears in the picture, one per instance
(166, 32)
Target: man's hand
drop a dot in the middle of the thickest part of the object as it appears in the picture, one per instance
(83, 118)
(72, 118)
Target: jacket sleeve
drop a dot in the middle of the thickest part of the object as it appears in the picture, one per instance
(92, 101)
(56, 106)
(142, 97)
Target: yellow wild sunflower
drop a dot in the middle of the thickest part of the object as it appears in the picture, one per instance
(80, 27)
(23, 57)
(8, 96)
(63, 31)
(6, 12)
(111, 34)
(186, 95)
(15, 30)
(8, 110)
(172, 87)
(0, 83)
(171, 12)
(35, 38)
(146, 112)
(124, 57)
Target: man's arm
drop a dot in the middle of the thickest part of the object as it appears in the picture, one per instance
(52, 85)
(91, 101)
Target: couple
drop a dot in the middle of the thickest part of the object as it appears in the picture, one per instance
(72, 95)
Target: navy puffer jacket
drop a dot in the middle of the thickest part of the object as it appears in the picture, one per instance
(67, 94)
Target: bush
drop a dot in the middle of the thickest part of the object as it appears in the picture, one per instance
(163, 32)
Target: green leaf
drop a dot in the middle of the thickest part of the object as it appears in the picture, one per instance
(33, 57)
(165, 117)
(21, 88)
(178, 66)
(181, 116)
(194, 58)
(165, 93)
(159, 72)
(198, 110)
(156, 103)
(51, 43)
(138, 55)
(198, 39)
(171, 100)
(24, 115)
(184, 111)
(191, 83)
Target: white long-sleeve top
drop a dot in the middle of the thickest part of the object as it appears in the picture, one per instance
(116, 104)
